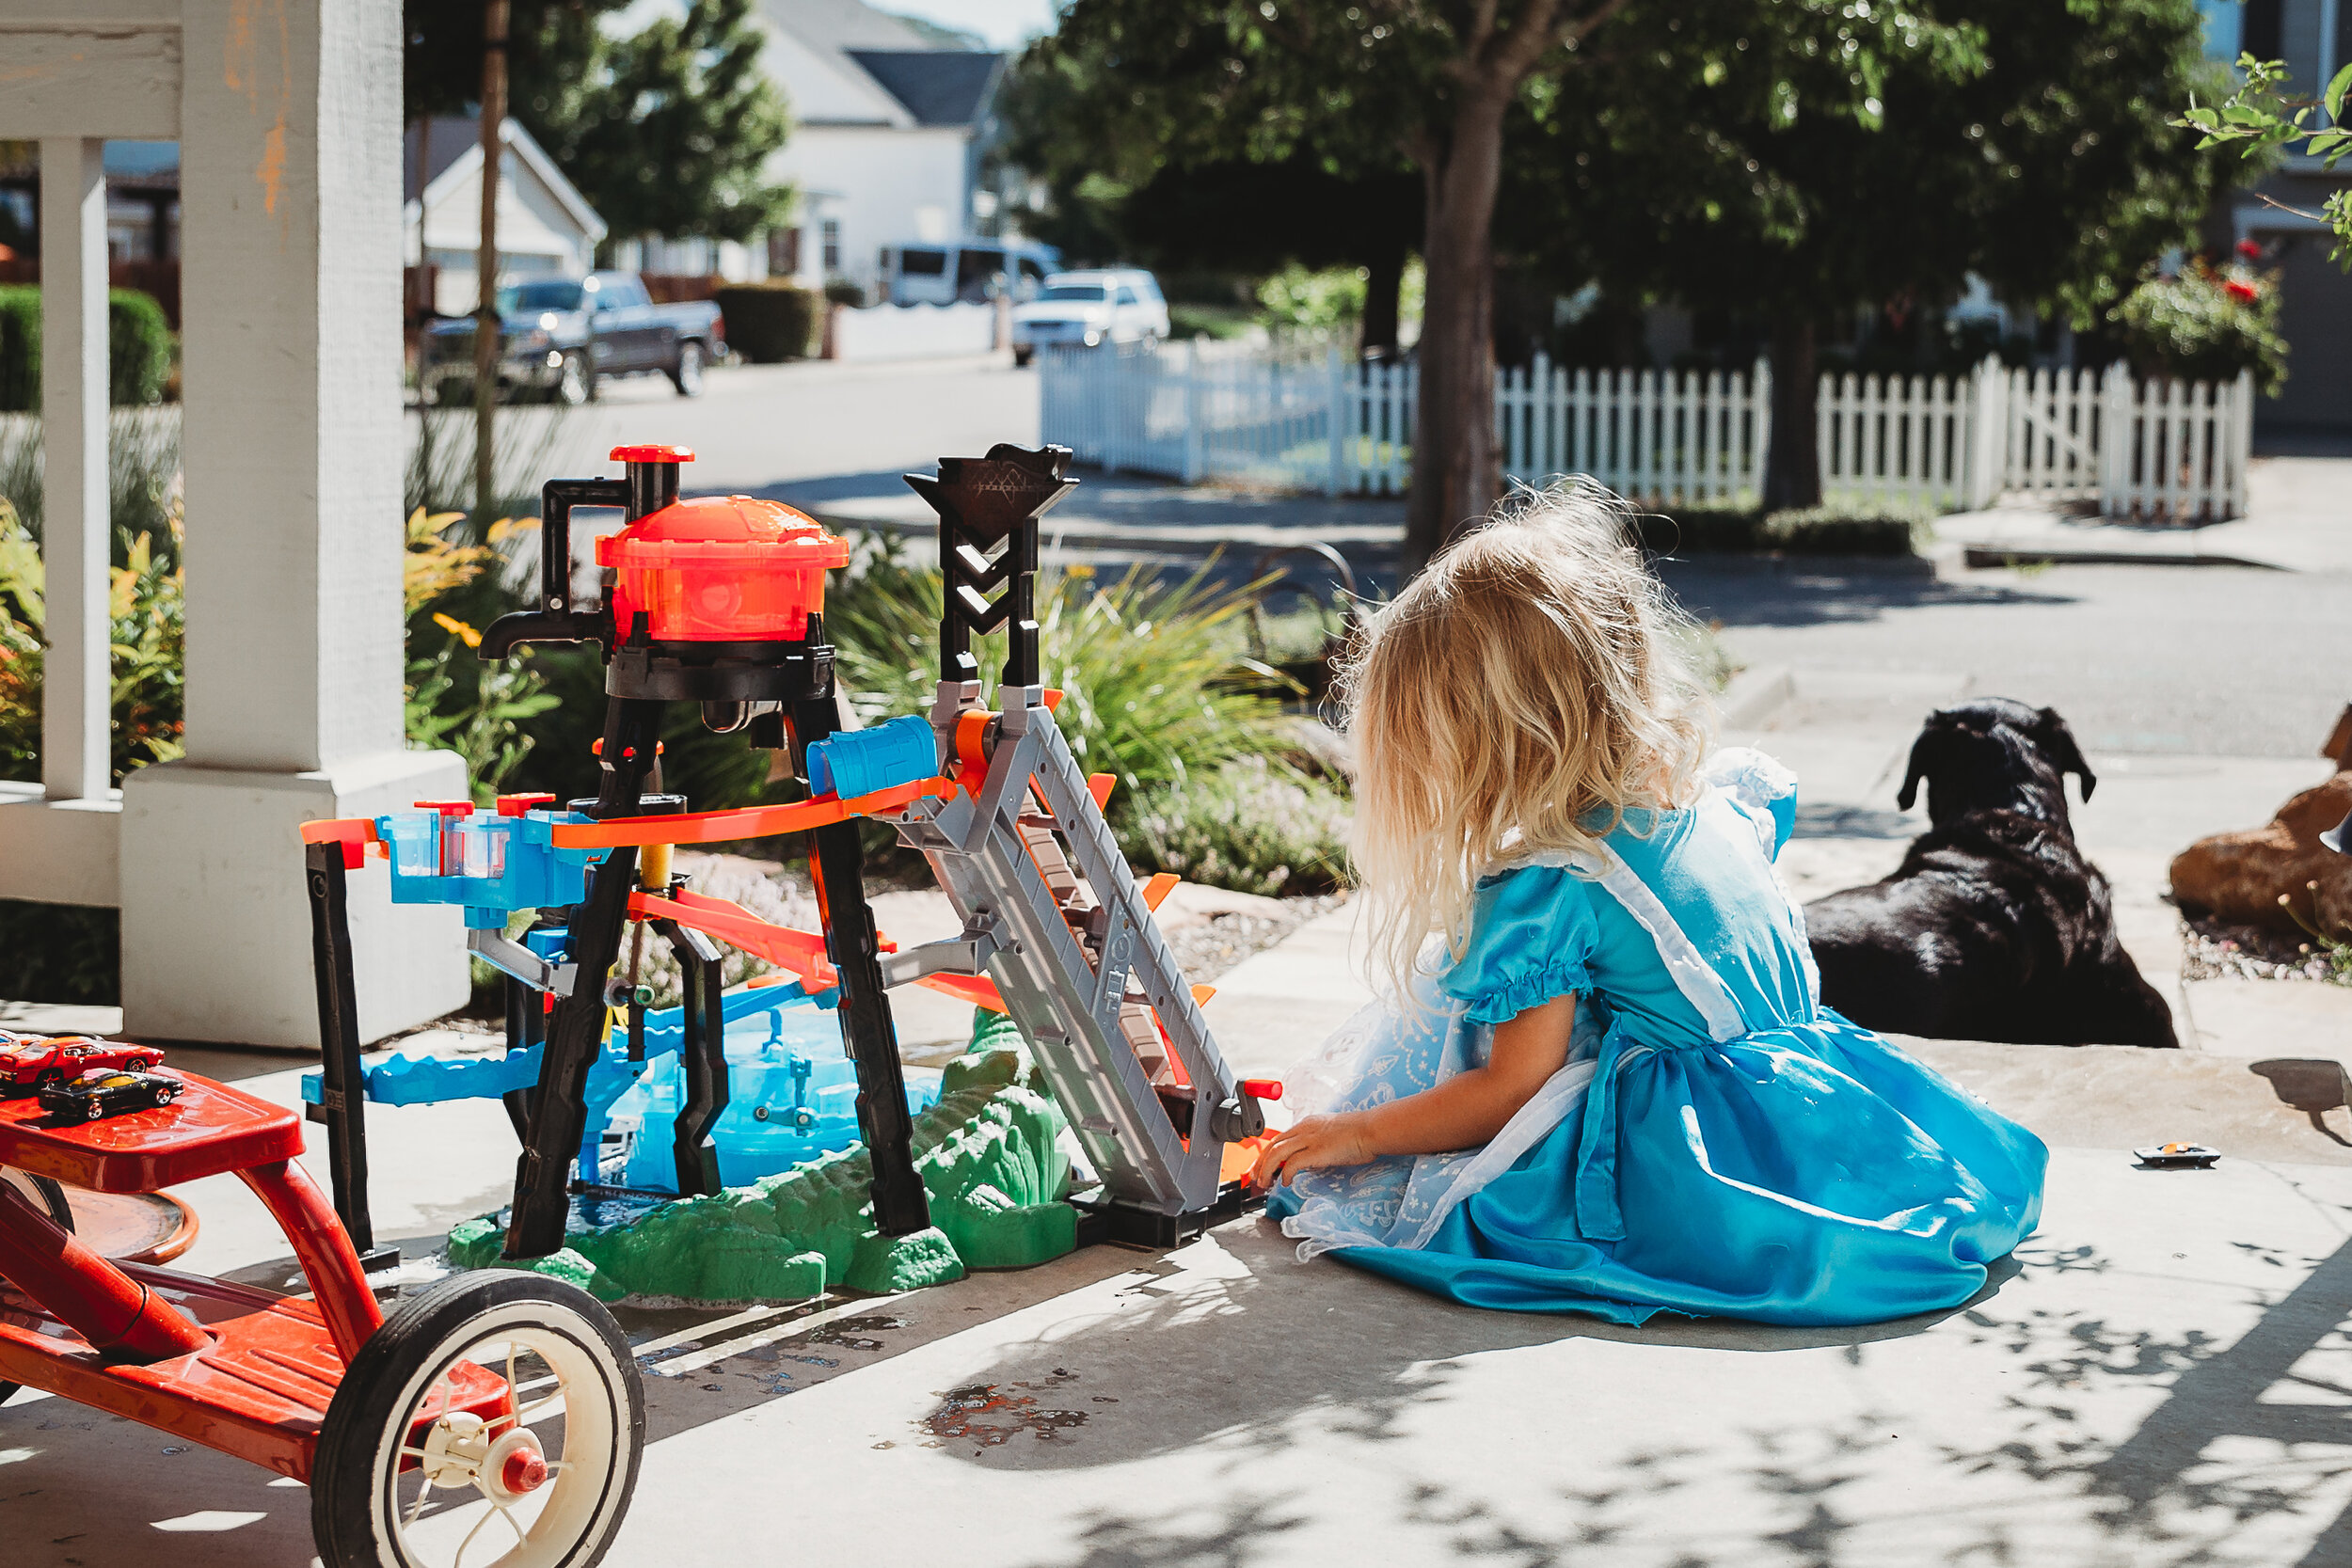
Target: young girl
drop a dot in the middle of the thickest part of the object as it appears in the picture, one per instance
(1611, 1088)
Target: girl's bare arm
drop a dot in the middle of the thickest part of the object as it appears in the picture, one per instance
(1465, 1111)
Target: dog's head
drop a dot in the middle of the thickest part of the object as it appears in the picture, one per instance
(1995, 754)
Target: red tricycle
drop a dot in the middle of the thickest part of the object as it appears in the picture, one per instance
(496, 1418)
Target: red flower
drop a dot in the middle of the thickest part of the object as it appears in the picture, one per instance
(2249, 250)
(2241, 291)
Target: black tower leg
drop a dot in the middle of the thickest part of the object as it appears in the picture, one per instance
(559, 1115)
(343, 1100)
(900, 1206)
(701, 1059)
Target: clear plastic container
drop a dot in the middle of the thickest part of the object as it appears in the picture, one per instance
(416, 843)
(482, 845)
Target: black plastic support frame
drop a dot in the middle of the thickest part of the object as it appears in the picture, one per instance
(900, 1205)
(559, 1115)
(701, 1059)
(342, 1097)
(984, 503)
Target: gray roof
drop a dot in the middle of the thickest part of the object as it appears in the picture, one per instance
(842, 24)
(448, 138)
(939, 87)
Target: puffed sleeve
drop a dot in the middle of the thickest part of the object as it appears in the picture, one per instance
(1532, 931)
(1761, 787)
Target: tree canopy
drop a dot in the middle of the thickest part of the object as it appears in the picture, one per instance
(2022, 141)
(1784, 158)
(665, 132)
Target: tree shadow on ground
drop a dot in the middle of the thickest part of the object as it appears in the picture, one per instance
(1752, 591)
(2229, 1447)
(1239, 1354)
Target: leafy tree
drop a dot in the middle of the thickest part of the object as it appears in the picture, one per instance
(1145, 201)
(2264, 116)
(2021, 140)
(665, 132)
(1442, 87)
(1352, 91)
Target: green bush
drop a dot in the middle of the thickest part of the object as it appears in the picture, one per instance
(770, 322)
(20, 350)
(1157, 685)
(2205, 326)
(1834, 529)
(1253, 825)
(138, 348)
(1210, 321)
(60, 953)
(1828, 531)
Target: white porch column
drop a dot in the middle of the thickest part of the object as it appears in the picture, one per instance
(75, 681)
(290, 248)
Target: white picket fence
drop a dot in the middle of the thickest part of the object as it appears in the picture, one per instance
(1311, 420)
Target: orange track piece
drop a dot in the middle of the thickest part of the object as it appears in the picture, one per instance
(1100, 786)
(719, 826)
(357, 834)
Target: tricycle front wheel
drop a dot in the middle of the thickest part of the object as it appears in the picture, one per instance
(495, 1419)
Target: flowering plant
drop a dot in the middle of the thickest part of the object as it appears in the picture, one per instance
(2205, 323)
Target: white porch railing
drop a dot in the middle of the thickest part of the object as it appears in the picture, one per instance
(1265, 414)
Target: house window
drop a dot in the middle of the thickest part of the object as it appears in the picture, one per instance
(830, 233)
(784, 252)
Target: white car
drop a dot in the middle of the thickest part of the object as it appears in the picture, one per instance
(1086, 310)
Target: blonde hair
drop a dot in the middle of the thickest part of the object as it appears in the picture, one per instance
(1521, 695)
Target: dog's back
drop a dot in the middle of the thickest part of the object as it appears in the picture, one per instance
(1995, 927)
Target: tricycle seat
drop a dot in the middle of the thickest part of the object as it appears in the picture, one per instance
(210, 1130)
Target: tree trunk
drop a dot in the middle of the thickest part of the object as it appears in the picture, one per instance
(486, 316)
(1384, 280)
(1792, 469)
(1456, 471)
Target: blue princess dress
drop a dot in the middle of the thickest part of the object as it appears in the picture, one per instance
(1719, 1144)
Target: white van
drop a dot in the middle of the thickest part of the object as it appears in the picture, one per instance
(1084, 309)
(968, 271)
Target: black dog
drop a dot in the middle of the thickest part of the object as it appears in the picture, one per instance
(1995, 927)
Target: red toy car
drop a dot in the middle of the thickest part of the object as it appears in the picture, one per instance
(28, 1062)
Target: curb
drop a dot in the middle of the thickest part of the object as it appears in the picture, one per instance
(1755, 696)
(2065, 555)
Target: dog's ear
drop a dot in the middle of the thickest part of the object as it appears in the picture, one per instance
(2051, 731)
(1923, 753)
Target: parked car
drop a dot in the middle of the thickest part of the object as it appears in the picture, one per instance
(103, 1093)
(969, 271)
(555, 333)
(1085, 310)
(27, 1062)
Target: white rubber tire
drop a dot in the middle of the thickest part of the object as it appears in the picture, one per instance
(356, 1502)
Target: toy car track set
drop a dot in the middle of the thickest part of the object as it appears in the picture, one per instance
(502, 1410)
(719, 601)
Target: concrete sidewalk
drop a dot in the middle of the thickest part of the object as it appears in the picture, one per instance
(2299, 518)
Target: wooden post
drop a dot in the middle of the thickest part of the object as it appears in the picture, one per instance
(76, 683)
(485, 315)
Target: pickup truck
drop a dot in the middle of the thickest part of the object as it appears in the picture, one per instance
(556, 334)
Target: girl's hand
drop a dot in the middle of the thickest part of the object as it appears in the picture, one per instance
(1333, 1140)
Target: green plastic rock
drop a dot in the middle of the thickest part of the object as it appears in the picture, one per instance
(885, 1264)
(989, 1155)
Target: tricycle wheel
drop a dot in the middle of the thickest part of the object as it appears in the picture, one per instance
(495, 1419)
(50, 1197)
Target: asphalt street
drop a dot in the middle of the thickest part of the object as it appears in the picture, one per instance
(2214, 661)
